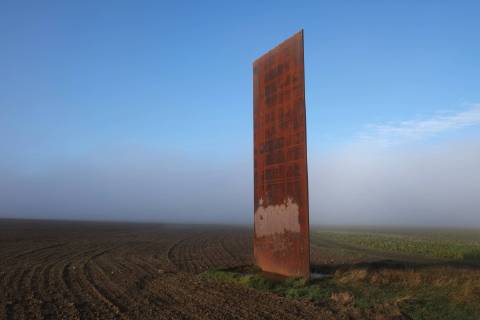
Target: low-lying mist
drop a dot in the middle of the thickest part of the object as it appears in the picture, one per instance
(434, 184)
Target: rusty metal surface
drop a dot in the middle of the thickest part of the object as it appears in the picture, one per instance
(281, 241)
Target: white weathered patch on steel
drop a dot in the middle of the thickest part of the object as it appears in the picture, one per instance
(276, 219)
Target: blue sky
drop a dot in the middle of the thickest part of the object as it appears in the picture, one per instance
(90, 85)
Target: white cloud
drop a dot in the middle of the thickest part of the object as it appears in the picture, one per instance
(419, 129)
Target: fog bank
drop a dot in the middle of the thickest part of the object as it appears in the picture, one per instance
(422, 185)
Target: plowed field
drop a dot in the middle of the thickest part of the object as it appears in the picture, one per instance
(80, 270)
(72, 270)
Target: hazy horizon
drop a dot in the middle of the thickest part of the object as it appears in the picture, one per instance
(144, 112)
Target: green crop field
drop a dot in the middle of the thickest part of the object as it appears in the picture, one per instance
(451, 245)
(424, 273)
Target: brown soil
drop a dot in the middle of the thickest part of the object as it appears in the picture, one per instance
(73, 270)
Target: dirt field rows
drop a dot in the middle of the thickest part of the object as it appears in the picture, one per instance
(60, 270)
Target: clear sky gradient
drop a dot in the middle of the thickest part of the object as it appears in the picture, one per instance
(142, 110)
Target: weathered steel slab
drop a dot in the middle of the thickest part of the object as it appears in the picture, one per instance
(281, 241)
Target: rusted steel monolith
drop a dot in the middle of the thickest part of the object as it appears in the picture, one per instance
(281, 241)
